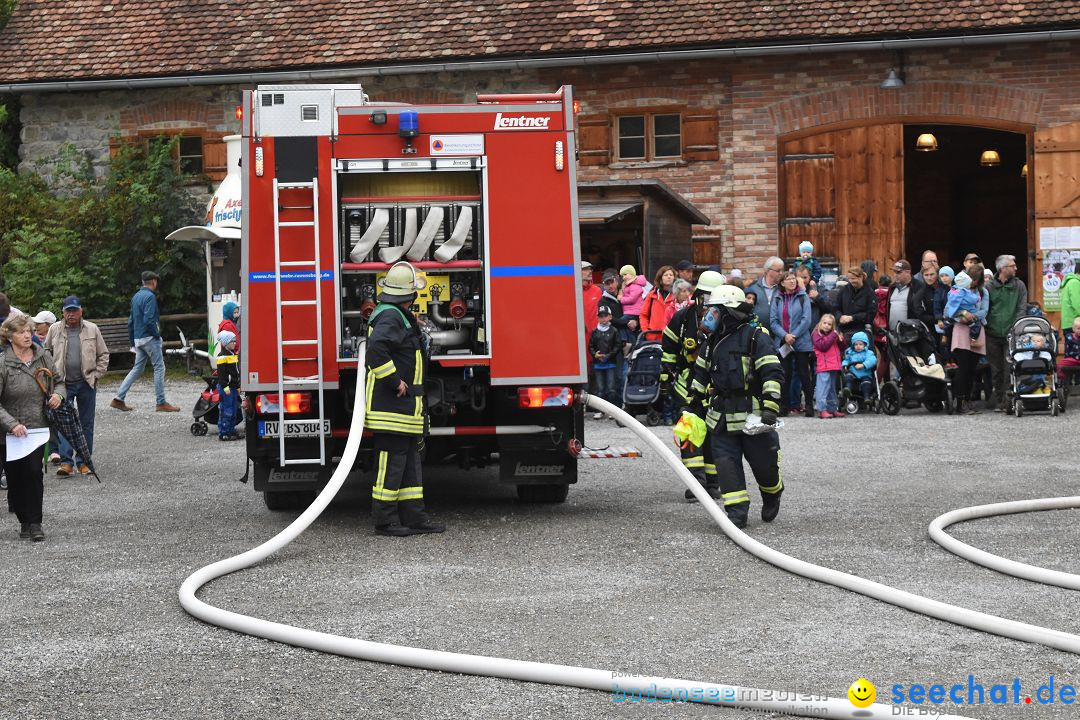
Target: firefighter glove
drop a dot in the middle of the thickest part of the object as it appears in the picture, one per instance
(768, 416)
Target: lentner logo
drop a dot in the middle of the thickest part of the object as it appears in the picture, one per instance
(521, 122)
(538, 469)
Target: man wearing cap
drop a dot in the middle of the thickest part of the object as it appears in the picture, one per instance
(144, 337)
(737, 373)
(395, 410)
(81, 357)
(901, 300)
(684, 270)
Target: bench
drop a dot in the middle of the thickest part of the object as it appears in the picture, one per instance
(115, 333)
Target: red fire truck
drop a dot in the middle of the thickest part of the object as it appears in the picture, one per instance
(482, 198)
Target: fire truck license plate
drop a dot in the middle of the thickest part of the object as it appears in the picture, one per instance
(269, 428)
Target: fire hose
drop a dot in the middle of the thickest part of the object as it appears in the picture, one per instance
(996, 562)
(588, 678)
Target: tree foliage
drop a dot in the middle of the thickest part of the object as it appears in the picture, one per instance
(95, 238)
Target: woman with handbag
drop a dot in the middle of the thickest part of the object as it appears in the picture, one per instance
(22, 406)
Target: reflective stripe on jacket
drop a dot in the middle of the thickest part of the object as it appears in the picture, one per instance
(734, 375)
(395, 353)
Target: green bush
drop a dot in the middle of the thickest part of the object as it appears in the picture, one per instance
(94, 239)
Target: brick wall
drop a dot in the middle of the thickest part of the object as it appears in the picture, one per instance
(756, 100)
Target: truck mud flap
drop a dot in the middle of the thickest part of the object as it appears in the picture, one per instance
(536, 467)
(269, 477)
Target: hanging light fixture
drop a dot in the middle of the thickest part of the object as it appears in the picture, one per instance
(1023, 171)
(926, 143)
(990, 158)
(892, 81)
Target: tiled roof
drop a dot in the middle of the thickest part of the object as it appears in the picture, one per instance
(91, 39)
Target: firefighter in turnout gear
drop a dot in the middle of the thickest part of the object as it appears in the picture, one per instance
(737, 372)
(395, 411)
(679, 344)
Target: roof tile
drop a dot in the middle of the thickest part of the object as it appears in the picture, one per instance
(92, 39)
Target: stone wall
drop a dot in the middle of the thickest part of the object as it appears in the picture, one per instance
(757, 100)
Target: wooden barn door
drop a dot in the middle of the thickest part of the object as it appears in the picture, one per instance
(843, 191)
(1056, 169)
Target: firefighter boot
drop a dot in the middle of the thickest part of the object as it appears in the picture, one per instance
(770, 506)
(738, 514)
(393, 530)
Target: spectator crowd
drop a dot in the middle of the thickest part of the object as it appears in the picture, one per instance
(834, 338)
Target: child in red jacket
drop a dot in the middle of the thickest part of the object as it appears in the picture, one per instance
(827, 345)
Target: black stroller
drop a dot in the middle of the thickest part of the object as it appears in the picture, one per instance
(205, 411)
(922, 376)
(1032, 355)
(642, 387)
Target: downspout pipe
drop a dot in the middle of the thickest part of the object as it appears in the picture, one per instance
(528, 63)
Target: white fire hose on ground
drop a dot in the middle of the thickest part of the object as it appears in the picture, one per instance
(996, 562)
(588, 678)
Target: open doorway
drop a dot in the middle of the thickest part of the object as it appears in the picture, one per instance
(954, 205)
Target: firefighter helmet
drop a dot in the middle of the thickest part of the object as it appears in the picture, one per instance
(400, 283)
(727, 295)
(709, 281)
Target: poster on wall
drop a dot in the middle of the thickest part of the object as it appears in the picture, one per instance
(1056, 265)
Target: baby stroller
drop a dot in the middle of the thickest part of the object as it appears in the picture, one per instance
(642, 387)
(205, 411)
(922, 377)
(1032, 352)
(853, 402)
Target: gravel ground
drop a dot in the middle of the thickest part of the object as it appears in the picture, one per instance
(624, 576)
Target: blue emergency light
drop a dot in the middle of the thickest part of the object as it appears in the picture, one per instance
(409, 124)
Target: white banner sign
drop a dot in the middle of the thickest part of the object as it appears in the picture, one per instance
(456, 145)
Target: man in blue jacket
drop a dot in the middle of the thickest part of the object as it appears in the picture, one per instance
(144, 337)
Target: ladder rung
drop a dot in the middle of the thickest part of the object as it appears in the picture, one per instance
(299, 302)
(296, 207)
(301, 223)
(301, 422)
(297, 263)
(299, 342)
(294, 186)
(302, 461)
(294, 380)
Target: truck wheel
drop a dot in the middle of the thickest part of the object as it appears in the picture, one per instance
(555, 493)
(287, 499)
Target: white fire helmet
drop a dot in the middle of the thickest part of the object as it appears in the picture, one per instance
(708, 281)
(727, 295)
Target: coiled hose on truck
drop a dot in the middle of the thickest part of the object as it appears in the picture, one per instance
(588, 678)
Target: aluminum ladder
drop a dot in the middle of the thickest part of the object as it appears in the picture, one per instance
(285, 383)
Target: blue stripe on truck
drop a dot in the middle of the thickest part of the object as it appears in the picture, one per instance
(532, 270)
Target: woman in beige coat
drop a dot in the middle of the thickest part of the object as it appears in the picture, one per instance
(22, 406)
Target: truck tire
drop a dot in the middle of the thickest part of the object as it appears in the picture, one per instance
(287, 499)
(553, 493)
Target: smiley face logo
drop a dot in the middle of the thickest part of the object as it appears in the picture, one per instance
(862, 693)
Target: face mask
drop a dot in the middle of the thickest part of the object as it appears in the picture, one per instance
(711, 320)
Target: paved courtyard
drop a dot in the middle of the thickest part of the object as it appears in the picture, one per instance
(624, 576)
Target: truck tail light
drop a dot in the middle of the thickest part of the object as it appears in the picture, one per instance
(535, 397)
(560, 157)
(295, 402)
(258, 162)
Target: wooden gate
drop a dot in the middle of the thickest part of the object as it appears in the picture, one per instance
(1056, 168)
(843, 191)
